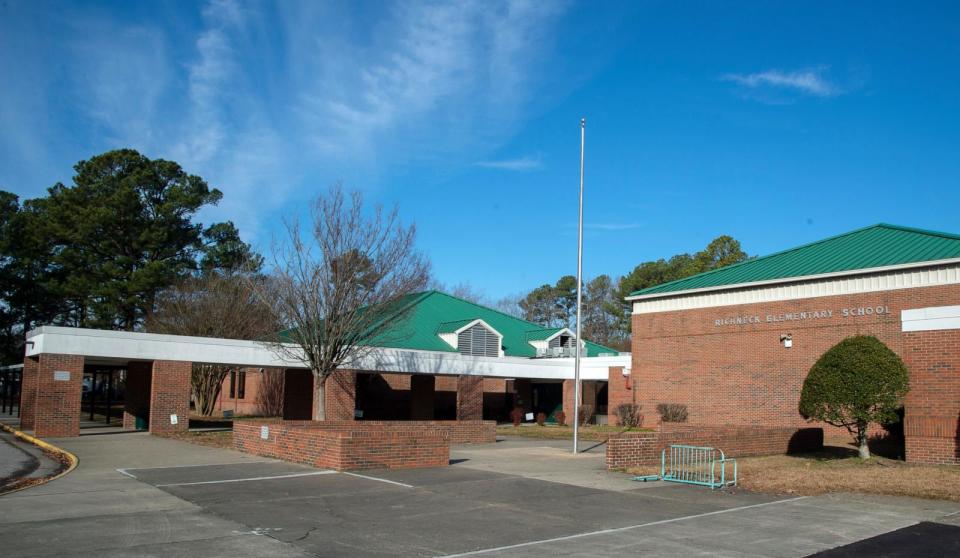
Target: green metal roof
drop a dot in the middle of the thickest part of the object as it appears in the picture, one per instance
(870, 247)
(451, 327)
(429, 313)
(542, 334)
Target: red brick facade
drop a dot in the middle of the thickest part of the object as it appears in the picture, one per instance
(643, 448)
(741, 374)
(170, 395)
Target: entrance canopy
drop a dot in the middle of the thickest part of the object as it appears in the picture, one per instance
(117, 347)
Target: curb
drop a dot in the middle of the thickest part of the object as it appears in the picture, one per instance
(72, 459)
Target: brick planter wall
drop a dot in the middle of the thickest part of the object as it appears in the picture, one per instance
(643, 448)
(351, 445)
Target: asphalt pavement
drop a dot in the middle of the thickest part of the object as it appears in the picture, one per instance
(139, 495)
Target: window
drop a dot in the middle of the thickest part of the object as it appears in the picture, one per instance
(233, 384)
(241, 383)
(478, 341)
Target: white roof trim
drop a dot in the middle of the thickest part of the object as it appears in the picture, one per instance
(124, 346)
(481, 322)
(797, 279)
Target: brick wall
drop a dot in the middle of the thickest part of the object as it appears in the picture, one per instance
(28, 392)
(136, 399)
(631, 449)
(348, 445)
(169, 395)
(57, 409)
(743, 375)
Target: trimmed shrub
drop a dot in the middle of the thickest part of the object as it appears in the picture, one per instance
(857, 382)
(541, 418)
(561, 418)
(672, 412)
(628, 414)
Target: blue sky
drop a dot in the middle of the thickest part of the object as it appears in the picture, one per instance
(776, 123)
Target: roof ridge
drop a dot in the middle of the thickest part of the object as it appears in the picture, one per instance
(766, 256)
(487, 308)
(917, 230)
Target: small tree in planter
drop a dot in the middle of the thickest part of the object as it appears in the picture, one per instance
(672, 412)
(561, 418)
(541, 418)
(857, 382)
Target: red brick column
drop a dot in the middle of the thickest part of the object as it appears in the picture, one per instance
(136, 401)
(469, 398)
(170, 395)
(568, 400)
(59, 390)
(422, 396)
(341, 395)
(28, 392)
(931, 423)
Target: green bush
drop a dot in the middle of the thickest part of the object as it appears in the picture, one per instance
(857, 382)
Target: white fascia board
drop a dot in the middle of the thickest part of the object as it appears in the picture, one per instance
(930, 319)
(797, 279)
(125, 346)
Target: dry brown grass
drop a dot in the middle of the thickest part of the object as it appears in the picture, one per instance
(838, 469)
(598, 433)
(215, 439)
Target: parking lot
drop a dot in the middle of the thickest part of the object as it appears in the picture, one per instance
(139, 495)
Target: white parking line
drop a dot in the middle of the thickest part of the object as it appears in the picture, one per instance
(378, 479)
(617, 529)
(290, 476)
(124, 472)
(200, 465)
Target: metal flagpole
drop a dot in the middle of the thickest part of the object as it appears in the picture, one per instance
(576, 360)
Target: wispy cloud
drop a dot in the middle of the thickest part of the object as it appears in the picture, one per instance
(810, 81)
(612, 226)
(525, 163)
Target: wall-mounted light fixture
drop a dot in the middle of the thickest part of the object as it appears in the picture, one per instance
(787, 340)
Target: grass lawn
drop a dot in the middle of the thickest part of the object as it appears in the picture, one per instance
(598, 433)
(838, 469)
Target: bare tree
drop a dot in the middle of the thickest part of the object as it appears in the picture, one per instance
(269, 399)
(213, 305)
(343, 287)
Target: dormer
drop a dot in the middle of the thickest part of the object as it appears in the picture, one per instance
(553, 341)
(473, 337)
